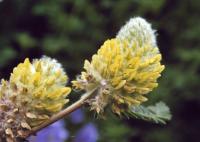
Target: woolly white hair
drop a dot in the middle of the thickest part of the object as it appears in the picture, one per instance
(139, 31)
(51, 66)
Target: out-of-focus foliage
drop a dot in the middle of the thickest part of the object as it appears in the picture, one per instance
(73, 30)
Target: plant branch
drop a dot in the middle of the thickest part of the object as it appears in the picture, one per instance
(62, 114)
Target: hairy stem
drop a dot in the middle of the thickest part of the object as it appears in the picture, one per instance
(62, 114)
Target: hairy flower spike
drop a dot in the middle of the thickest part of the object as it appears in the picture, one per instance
(124, 69)
(34, 92)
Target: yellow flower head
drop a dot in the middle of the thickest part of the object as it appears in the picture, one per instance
(42, 84)
(123, 71)
(34, 92)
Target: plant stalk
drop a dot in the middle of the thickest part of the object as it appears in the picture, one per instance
(62, 114)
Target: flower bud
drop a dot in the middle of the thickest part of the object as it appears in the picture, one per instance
(137, 31)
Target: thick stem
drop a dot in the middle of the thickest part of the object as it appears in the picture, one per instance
(61, 114)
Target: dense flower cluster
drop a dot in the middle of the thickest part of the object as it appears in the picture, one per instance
(124, 69)
(34, 92)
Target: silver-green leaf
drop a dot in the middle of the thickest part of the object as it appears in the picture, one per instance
(159, 113)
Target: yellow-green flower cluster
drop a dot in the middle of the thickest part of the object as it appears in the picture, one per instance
(123, 71)
(34, 92)
(43, 83)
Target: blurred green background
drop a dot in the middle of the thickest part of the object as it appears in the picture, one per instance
(73, 30)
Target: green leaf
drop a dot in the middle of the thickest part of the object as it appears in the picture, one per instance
(159, 113)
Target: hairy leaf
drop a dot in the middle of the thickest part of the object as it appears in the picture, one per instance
(159, 113)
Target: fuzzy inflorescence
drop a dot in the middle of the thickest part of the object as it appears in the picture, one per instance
(34, 92)
(124, 69)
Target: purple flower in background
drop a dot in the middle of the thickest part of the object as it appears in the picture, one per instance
(77, 116)
(88, 133)
(53, 133)
(57, 132)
